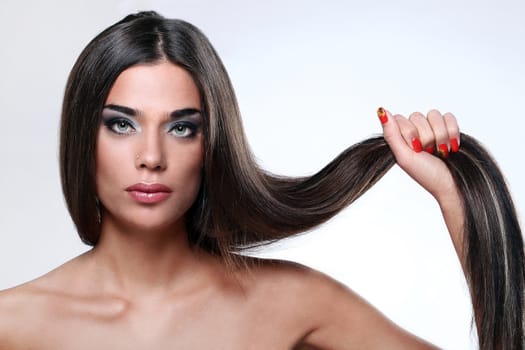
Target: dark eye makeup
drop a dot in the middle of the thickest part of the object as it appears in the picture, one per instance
(186, 124)
(120, 125)
(183, 128)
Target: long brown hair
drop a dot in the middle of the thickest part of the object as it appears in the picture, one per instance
(241, 205)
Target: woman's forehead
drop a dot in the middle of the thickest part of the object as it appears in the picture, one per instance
(163, 85)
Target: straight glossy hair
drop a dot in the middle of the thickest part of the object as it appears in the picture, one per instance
(240, 205)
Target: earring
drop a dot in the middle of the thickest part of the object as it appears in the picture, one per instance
(99, 212)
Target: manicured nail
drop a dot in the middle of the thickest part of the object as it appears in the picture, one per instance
(381, 113)
(416, 145)
(443, 150)
(430, 149)
(454, 146)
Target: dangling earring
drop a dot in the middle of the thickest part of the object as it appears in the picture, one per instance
(99, 211)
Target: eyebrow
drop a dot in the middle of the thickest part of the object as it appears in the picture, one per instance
(177, 114)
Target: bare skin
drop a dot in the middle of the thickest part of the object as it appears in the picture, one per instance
(275, 306)
(144, 287)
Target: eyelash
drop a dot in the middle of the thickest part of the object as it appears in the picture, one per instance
(113, 123)
(190, 127)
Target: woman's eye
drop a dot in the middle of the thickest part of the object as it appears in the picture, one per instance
(120, 126)
(183, 130)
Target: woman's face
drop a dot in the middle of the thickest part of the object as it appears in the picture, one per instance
(150, 148)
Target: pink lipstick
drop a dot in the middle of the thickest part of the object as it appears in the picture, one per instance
(149, 193)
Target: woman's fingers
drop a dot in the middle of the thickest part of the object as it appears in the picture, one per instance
(433, 132)
(426, 135)
(453, 131)
(407, 137)
(446, 132)
(392, 132)
(439, 128)
(410, 132)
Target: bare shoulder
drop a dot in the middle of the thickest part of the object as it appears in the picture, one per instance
(311, 290)
(291, 279)
(334, 316)
(26, 309)
(18, 306)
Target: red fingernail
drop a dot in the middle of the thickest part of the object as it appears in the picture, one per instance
(454, 146)
(443, 150)
(430, 149)
(381, 113)
(416, 145)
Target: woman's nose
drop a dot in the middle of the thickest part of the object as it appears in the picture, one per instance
(150, 153)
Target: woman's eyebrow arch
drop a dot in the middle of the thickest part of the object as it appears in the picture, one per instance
(184, 112)
(177, 114)
(122, 109)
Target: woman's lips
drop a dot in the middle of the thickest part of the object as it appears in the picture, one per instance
(149, 193)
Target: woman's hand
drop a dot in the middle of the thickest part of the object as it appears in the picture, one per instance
(418, 144)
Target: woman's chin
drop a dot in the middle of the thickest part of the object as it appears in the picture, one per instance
(146, 223)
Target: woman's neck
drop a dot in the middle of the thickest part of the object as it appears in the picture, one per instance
(140, 263)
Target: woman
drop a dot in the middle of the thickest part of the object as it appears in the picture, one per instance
(158, 178)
